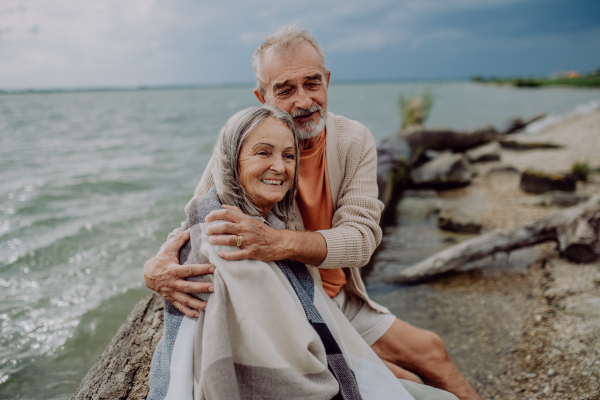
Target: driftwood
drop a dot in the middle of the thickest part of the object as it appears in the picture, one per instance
(122, 370)
(420, 138)
(528, 144)
(576, 229)
(516, 124)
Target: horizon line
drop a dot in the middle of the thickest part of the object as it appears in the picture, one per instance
(192, 86)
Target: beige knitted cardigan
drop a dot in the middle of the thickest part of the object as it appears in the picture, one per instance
(352, 168)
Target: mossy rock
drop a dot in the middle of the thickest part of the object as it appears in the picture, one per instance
(538, 182)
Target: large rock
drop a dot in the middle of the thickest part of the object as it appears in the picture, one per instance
(393, 158)
(448, 170)
(488, 152)
(459, 219)
(533, 181)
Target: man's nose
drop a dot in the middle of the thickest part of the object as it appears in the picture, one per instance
(302, 99)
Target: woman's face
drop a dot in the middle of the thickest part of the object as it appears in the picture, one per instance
(267, 163)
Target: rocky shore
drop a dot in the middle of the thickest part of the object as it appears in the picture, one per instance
(557, 348)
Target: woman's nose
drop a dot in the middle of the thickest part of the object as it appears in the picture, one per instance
(277, 165)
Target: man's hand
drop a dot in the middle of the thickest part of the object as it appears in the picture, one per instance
(164, 275)
(262, 242)
(258, 240)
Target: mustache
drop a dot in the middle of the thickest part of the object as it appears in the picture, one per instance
(311, 110)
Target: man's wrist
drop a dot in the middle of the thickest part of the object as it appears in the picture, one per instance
(305, 247)
(287, 250)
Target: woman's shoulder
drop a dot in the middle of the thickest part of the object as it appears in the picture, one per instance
(200, 207)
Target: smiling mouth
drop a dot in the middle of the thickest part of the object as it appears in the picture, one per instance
(306, 117)
(272, 182)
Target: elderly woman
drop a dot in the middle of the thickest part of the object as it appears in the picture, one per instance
(269, 329)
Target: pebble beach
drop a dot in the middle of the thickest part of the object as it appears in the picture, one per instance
(556, 353)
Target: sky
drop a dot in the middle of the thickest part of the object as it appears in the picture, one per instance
(107, 43)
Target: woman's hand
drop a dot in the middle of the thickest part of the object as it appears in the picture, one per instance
(163, 274)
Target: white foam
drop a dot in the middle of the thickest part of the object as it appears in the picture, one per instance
(582, 109)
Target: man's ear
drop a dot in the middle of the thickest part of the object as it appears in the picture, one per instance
(327, 76)
(259, 96)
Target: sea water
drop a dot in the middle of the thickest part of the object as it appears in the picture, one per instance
(91, 183)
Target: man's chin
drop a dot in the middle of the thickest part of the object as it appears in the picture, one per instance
(310, 130)
(304, 135)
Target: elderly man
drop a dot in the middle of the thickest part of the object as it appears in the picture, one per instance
(336, 224)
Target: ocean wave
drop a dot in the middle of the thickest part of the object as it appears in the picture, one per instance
(552, 119)
(93, 185)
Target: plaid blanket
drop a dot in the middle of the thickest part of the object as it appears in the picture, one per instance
(269, 332)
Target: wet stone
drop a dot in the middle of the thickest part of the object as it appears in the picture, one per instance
(446, 170)
(459, 219)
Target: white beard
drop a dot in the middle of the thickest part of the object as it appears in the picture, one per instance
(310, 129)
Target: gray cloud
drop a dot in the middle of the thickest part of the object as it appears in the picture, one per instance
(65, 43)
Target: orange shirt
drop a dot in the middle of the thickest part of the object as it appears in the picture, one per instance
(316, 207)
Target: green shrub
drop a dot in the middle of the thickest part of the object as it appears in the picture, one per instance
(414, 110)
(580, 170)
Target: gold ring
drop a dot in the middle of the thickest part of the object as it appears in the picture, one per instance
(239, 242)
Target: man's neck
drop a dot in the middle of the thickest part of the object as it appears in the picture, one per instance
(312, 142)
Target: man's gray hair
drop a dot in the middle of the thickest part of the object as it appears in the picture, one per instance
(227, 153)
(283, 42)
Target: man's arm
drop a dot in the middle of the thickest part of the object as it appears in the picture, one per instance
(356, 232)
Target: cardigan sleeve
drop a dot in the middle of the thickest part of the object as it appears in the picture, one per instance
(356, 232)
(206, 182)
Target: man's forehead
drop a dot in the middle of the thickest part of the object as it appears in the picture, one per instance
(300, 63)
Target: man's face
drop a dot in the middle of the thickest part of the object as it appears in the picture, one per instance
(297, 84)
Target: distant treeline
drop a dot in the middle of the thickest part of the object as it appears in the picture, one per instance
(588, 81)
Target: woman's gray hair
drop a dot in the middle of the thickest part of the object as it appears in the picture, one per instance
(285, 40)
(227, 153)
